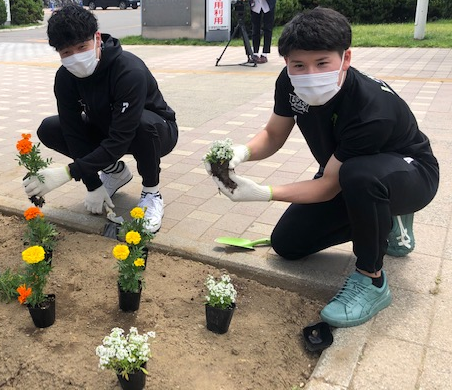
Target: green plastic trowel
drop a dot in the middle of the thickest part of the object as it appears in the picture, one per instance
(242, 242)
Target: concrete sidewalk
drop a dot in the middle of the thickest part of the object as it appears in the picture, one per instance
(407, 346)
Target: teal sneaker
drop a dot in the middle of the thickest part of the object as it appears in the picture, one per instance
(401, 238)
(357, 302)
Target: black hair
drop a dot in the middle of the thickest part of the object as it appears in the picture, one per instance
(317, 29)
(70, 25)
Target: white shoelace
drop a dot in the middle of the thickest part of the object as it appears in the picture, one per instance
(404, 239)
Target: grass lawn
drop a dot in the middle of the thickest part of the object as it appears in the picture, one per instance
(437, 34)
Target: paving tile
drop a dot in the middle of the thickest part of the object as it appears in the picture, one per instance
(416, 272)
(236, 223)
(408, 318)
(387, 363)
(438, 376)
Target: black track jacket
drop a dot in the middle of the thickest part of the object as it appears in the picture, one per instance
(113, 99)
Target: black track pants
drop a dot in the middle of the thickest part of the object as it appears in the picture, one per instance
(267, 27)
(374, 188)
(154, 139)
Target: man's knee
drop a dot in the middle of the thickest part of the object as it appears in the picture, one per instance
(48, 128)
(285, 247)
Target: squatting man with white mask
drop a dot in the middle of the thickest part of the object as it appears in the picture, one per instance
(109, 105)
(376, 167)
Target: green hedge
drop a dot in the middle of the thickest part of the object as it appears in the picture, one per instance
(357, 11)
(3, 14)
(382, 11)
(26, 11)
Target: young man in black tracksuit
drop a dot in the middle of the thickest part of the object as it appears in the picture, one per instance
(109, 105)
(376, 166)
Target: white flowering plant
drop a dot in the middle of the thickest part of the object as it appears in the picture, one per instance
(220, 151)
(125, 354)
(221, 293)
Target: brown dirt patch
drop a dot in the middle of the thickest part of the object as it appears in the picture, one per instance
(262, 349)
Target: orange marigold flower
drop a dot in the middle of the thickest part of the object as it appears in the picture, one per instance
(24, 293)
(24, 146)
(33, 212)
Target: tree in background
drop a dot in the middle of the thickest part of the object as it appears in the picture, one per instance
(3, 14)
(26, 11)
(382, 11)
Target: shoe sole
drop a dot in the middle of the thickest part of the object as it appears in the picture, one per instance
(383, 303)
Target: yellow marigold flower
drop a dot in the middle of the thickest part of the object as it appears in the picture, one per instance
(33, 255)
(24, 293)
(133, 238)
(139, 262)
(137, 213)
(24, 145)
(121, 252)
(33, 212)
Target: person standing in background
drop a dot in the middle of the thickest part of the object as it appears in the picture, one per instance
(262, 10)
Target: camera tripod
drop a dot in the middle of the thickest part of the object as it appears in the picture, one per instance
(246, 41)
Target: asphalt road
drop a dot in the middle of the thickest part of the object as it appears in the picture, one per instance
(118, 23)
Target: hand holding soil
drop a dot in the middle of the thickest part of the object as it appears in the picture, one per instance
(218, 157)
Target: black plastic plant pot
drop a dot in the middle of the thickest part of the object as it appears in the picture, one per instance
(128, 301)
(218, 320)
(43, 315)
(317, 336)
(136, 381)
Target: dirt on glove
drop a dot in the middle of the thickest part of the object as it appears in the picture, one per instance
(221, 171)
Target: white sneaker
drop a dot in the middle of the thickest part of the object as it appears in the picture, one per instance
(153, 206)
(114, 181)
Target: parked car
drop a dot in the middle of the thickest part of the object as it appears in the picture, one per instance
(104, 4)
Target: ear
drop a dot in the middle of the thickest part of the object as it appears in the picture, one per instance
(347, 59)
(98, 38)
(286, 59)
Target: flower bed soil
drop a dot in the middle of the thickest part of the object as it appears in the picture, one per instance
(262, 349)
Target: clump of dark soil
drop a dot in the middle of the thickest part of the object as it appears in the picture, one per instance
(221, 171)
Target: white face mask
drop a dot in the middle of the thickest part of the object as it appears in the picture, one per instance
(82, 64)
(316, 89)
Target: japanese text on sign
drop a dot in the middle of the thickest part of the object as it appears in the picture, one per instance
(219, 14)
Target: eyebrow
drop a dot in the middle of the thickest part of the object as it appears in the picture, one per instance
(315, 59)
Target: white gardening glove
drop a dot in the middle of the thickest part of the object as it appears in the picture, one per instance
(241, 154)
(246, 190)
(94, 200)
(51, 178)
